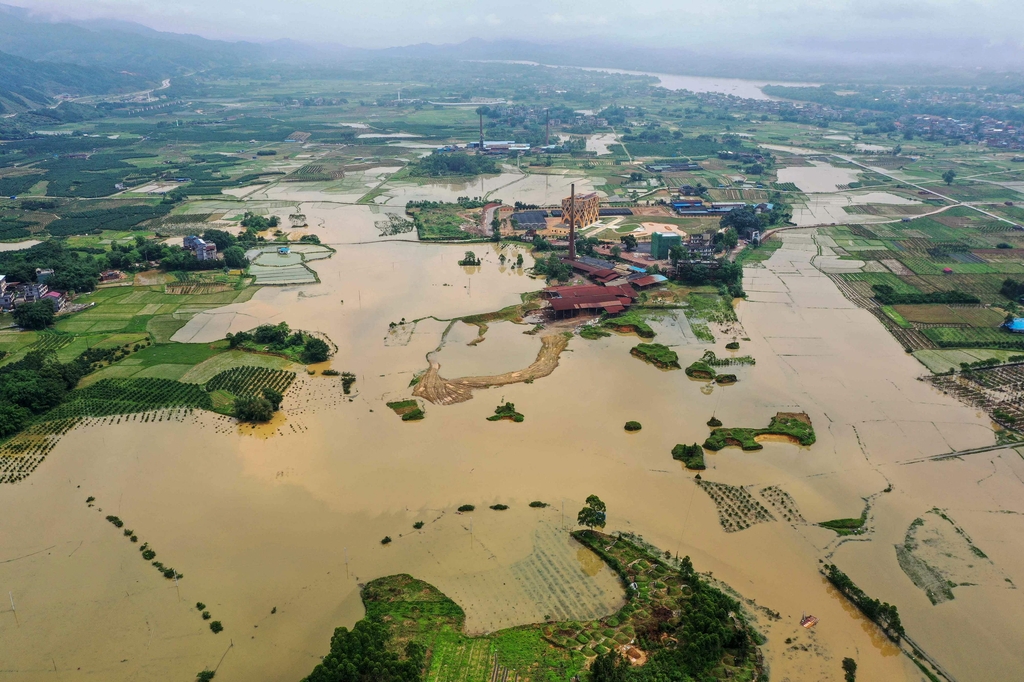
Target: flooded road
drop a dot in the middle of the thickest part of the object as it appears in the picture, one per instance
(293, 521)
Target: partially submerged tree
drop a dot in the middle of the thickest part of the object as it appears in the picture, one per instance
(593, 515)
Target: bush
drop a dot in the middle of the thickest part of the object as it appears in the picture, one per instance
(733, 345)
(417, 525)
(216, 626)
(234, 257)
(206, 615)
(537, 504)
(499, 507)
(252, 409)
(386, 540)
(200, 606)
(315, 350)
(205, 676)
(714, 422)
(466, 508)
(633, 426)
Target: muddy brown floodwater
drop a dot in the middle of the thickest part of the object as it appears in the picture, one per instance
(292, 519)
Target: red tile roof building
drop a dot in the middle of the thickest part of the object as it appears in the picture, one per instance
(568, 301)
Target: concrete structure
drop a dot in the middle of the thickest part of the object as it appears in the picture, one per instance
(191, 242)
(661, 242)
(298, 136)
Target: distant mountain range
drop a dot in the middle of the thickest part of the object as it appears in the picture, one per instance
(46, 56)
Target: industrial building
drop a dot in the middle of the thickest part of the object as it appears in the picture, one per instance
(569, 301)
(662, 242)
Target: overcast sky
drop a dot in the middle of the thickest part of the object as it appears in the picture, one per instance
(723, 24)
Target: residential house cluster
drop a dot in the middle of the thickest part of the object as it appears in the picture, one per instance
(202, 249)
(13, 294)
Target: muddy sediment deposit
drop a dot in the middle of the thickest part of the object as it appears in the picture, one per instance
(276, 533)
(440, 391)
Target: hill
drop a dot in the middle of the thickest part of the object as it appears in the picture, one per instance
(26, 84)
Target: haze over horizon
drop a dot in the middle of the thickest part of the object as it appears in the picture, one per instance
(979, 33)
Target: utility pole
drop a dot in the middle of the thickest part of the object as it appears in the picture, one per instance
(481, 133)
(547, 127)
(345, 549)
(572, 222)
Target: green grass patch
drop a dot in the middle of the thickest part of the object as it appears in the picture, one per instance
(891, 313)
(847, 526)
(593, 332)
(656, 354)
(631, 322)
(408, 410)
(692, 456)
(796, 426)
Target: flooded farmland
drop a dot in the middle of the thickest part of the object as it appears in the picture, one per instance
(276, 533)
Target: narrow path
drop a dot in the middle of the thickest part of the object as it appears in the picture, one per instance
(962, 453)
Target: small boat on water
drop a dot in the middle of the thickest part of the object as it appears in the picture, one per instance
(808, 621)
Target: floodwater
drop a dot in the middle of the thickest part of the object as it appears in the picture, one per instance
(19, 246)
(510, 186)
(818, 177)
(600, 143)
(505, 348)
(739, 87)
(826, 208)
(292, 520)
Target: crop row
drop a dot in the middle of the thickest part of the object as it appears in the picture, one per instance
(127, 396)
(250, 380)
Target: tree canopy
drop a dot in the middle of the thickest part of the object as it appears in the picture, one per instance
(593, 514)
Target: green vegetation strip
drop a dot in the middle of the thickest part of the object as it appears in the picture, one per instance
(408, 410)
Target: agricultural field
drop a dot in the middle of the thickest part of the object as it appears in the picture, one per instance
(661, 598)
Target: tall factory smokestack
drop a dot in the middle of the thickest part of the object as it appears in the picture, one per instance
(572, 222)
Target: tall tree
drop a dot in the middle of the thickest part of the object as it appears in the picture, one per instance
(593, 514)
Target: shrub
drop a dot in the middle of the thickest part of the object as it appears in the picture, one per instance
(633, 426)
(205, 676)
(714, 422)
(466, 508)
(733, 345)
(537, 504)
(386, 540)
(116, 521)
(331, 373)
(148, 554)
(206, 615)
(200, 606)
(417, 525)
(216, 626)
(499, 507)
